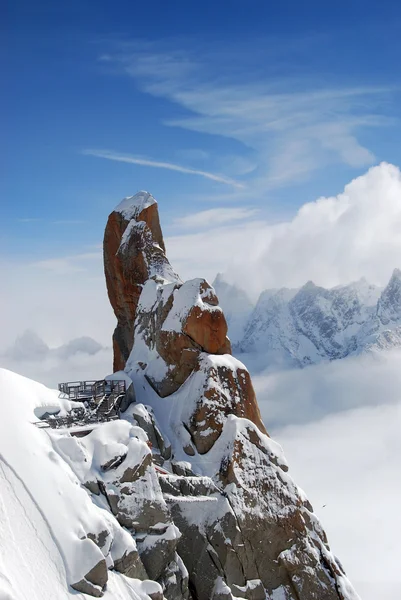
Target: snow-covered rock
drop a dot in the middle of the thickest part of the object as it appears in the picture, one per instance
(174, 324)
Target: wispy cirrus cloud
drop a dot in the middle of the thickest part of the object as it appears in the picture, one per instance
(215, 217)
(127, 158)
(50, 221)
(69, 264)
(68, 222)
(29, 220)
(292, 127)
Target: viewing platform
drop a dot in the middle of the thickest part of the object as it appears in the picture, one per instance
(82, 391)
(99, 402)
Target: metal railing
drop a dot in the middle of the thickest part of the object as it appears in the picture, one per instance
(100, 401)
(92, 389)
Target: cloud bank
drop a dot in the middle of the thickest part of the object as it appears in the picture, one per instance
(61, 298)
(80, 358)
(30, 347)
(331, 241)
(299, 396)
(339, 426)
(349, 466)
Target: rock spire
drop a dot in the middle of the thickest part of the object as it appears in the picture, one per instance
(242, 528)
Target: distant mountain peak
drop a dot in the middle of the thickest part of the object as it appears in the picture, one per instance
(313, 323)
(389, 304)
(219, 279)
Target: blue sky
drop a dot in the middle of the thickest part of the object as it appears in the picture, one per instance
(227, 105)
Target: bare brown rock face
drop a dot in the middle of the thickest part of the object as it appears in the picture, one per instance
(245, 529)
(133, 251)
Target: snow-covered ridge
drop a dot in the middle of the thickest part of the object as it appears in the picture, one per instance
(311, 324)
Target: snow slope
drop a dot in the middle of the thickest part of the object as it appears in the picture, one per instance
(45, 513)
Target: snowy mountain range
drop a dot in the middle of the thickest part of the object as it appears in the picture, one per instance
(297, 327)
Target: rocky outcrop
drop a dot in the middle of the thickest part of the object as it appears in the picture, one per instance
(221, 515)
(94, 581)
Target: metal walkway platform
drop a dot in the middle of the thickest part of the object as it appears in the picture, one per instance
(100, 401)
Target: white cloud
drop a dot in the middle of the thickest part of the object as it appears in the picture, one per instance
(69, 264)
(127, 158)
(53, 369)
(64, 298)
(78, 359)
(215, 216)
(302, 395)
(292, 127)
(331, 241)
(349, 466)
(29, 347)
(339, 426)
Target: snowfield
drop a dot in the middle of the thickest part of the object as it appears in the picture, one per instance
(45, 513)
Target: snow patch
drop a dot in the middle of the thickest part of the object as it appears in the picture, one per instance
(131, 206)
